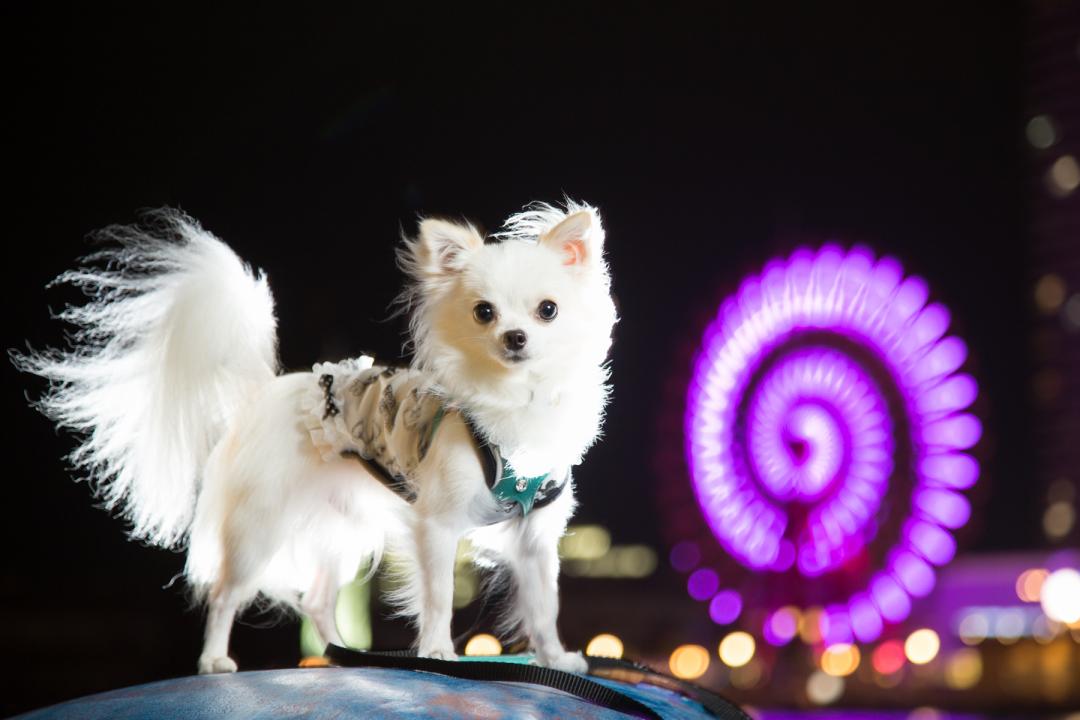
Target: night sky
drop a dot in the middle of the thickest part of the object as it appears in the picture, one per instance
(709, 142)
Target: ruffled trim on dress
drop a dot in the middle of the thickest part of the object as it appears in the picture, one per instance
(328, 431)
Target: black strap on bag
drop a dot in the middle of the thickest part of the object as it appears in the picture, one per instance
(579, 686)
(635, 673)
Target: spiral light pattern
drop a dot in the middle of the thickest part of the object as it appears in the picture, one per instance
(822, 385)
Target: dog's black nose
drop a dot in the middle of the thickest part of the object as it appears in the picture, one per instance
(515, 339)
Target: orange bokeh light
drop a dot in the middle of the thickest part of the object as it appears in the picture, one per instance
(1029, 584)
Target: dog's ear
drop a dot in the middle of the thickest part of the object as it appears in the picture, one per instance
(579, 238)
(442, 246)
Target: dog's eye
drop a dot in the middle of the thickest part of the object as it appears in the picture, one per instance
(547, 310)
(484, 312)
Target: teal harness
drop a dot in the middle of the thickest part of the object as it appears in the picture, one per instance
(514, 489)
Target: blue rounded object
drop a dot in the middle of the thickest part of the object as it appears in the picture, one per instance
(353, 692)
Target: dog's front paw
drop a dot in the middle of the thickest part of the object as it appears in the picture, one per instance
(439, 653)
(211, 665)
(573, 662)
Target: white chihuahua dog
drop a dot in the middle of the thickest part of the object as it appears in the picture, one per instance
(283, 485)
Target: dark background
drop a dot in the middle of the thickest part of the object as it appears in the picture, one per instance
(710, 141)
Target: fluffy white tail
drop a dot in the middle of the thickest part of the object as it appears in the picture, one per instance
(178, 332)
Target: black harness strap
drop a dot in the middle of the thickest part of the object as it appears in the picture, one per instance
(577, 685)
(395, 483)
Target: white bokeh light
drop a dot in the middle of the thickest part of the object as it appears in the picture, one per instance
(1060, 596)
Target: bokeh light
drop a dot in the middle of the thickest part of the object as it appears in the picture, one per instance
(840, 660)
(725, 607)
(1058, 520)
(737, 648)
(888, 657)
(483, 645)
(605, 645)
(1049, 293)
(1063, 176)
(1029, 584)
(689, 662)
(633, 561)
(1040, 132)
(824, 689)
(1060, 596)
(585, 542)
(973, 628)
(922, 646)
(685, 556)
(781, 626)
(1009, 626)
(963, 669)
(702, 584)
(1044, 630)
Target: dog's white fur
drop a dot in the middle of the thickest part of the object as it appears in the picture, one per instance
(194, 436)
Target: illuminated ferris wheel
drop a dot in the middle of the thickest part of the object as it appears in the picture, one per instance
(826, 435)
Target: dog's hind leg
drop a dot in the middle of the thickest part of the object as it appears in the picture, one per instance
(225, 600)
(320, 603)
(237, 582)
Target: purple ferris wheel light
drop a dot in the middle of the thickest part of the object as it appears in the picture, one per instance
(806, 382)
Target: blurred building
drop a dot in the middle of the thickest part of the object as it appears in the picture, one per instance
(1052, 134)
